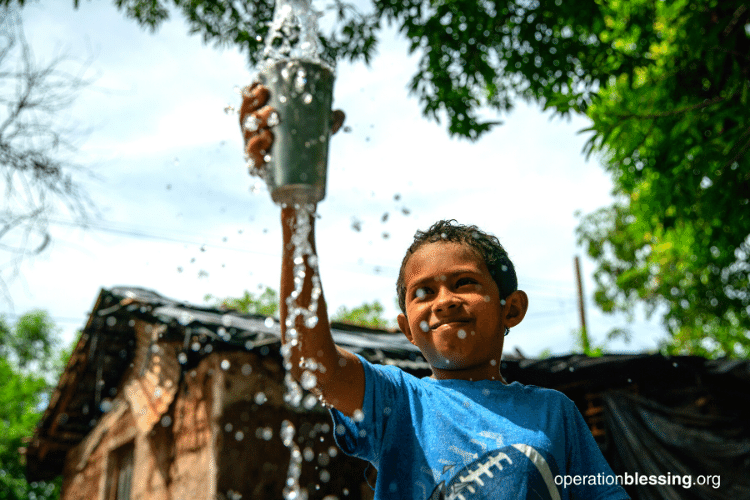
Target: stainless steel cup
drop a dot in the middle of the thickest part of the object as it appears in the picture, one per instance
(301, 93)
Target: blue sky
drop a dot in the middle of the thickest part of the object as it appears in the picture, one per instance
(180, 215)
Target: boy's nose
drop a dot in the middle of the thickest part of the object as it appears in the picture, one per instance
(445, 300)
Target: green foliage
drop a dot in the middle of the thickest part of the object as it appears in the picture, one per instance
(474, 55)
(674, 134)
(28, 351)
(265, 303)
(666, 85)
(368, 314)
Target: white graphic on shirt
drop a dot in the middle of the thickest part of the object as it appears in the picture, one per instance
(468, 457)
(543, 467)
(483, 445)
(447, 465)
(493, 435)
(494, 475)
(484, 468)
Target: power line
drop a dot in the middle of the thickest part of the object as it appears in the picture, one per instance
(159, 234)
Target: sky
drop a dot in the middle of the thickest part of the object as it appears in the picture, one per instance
(177, 212)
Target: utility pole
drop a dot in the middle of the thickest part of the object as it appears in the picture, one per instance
(584, 334)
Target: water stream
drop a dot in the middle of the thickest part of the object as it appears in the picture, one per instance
(293, 36)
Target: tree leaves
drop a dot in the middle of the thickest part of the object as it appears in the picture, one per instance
(28, 352)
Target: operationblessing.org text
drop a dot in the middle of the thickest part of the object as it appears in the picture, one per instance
(627, 479)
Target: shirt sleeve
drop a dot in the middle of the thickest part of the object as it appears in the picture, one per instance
(586, 462)
(364, 435)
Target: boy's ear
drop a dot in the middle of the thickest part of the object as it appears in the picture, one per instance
(403, 324)
(516, 305)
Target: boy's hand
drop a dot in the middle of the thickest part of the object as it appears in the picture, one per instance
(254, 117)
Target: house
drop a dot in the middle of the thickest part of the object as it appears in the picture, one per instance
(166, 400)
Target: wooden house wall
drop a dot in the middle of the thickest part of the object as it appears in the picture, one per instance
(203, 434)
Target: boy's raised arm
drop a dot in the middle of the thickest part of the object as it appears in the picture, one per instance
(340, 377)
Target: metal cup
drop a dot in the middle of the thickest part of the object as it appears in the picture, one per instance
(301, 93)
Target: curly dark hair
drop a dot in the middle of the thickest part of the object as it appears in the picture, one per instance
(486, 245)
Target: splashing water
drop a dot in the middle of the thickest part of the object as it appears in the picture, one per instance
(292, 490)
(291, 46)
(303, 256)
(293, 33)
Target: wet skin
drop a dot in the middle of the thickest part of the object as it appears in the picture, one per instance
(454, 313)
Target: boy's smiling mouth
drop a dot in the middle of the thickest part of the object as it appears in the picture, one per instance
(449, 321)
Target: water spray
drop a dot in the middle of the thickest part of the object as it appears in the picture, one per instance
(301, 87)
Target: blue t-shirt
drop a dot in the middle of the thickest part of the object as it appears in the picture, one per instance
(456, 439)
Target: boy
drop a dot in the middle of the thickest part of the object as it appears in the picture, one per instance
(462, 433)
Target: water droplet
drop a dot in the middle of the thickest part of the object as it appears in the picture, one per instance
(260, 398)
(308, 454)
(246, 369)
(251, 123)
(229, 109)
(299, 81)
(287, 432)
(424, 326)
(228, 427)
(185, 318)
(310, 401)
(282, 99)
(264, 433)
(307, 98)
(333, 451)
(111, 321)
(225, 365)
(358, 416)
(273, 119)
(195, 346)
(105, 406)
(269, 322)
(461, 333)
(493, 362)
(226, 320)
(239, 435)
(325, 476)
(308, 380)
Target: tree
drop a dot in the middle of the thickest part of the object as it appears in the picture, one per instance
(675, 137)
(267, 304)
(35, 147)
(368, 314)
(666, 85)
(30, 356)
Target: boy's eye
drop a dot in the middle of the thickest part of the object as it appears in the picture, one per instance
(420, 292)
(466, 281)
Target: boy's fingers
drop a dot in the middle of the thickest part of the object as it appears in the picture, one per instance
(338, 120)
(256, 121)
(257, 147)
(254, 97)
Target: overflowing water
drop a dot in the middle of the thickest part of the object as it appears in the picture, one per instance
(293, 33)
(303, 257)
(301, 82)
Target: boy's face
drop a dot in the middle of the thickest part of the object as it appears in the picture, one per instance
(454, 313)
